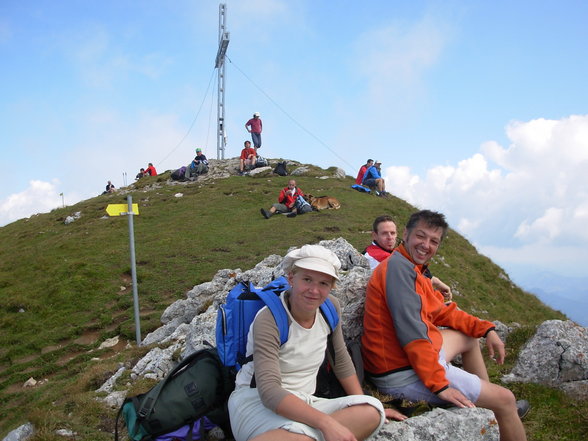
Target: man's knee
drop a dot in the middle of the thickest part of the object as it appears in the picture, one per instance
(496, 397)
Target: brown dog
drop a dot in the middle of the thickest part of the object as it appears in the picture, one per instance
(322, 202)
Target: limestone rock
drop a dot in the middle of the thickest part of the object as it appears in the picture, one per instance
(114, 399)
(109, 384)
(22, 433)
(109, 342)
(557, 356)
(156, 364)
(452, 424)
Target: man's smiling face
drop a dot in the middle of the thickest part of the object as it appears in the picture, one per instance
(422, 242)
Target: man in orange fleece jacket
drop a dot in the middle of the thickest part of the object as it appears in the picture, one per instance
(404, 352)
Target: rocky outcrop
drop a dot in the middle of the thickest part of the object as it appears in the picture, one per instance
(223, 168)
(557, 356)
(443, 425)
(22, 433)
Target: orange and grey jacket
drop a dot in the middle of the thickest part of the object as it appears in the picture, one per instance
(402, 312)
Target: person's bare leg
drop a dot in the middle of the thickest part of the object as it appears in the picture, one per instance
(502, 402)
(455, 342)
(281, 434)
(360, 419)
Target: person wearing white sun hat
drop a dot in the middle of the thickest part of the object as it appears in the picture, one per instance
(280, 404)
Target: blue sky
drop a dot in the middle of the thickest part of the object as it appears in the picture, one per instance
(477, 109)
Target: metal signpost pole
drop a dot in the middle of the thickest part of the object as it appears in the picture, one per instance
(134, 270)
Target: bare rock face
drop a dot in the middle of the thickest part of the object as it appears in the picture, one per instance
(556, 356)
(454, 424)
(22, 433)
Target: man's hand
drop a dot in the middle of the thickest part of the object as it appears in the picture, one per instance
(495, 347)
(455, 397)
(442, 287)
(393, 414)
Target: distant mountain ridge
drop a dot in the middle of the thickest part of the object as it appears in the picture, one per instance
(567, 294)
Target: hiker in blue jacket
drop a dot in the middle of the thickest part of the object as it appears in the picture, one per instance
(373, 179)
(274, 393)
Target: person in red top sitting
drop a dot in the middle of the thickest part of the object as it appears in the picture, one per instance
(362, 171)
(151, 170)
(289, 202)
(247, 159)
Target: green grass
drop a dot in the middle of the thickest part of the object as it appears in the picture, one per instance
(61, 295)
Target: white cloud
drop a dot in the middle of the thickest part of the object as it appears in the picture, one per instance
(509, 200)
(545, 228)
(39, 197)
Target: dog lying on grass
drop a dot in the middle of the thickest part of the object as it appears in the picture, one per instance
(319, 203)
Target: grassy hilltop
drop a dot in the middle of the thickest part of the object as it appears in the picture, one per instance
(64, 289)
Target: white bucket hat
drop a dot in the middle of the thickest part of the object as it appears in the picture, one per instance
(315, 258)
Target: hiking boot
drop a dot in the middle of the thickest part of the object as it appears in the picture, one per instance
(265, 213)
(523, 408)
(291, 214)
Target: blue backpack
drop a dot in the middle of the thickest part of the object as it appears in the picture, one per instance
(234, 318)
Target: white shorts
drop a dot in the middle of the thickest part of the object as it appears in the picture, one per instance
(250, 418)
(468, 384)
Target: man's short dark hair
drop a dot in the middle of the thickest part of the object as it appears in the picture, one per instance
(429, 218)
(379, 220)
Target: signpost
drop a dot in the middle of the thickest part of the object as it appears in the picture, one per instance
(130, 210)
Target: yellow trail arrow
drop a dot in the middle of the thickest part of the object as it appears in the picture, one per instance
(119, 209)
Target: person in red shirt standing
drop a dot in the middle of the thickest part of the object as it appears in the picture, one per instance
(150, 170)
(254, 126)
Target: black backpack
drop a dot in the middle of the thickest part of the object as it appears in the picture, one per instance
(281, 169)
(197, 387)
(179, 174)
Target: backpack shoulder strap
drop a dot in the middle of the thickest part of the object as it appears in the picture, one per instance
(274, 304)
(329, 312)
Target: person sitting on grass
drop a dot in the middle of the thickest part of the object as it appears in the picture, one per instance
(373, 179)
(362, 170)
(287, 202)
(150, 171)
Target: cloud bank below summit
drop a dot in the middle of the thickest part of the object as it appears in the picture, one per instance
(523, 203)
